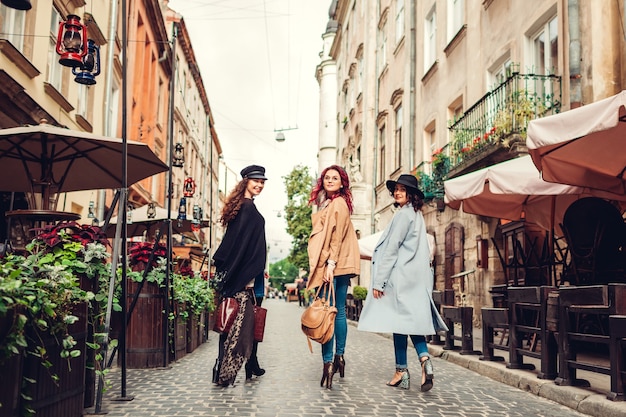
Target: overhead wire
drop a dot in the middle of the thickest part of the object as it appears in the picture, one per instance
(269, 62)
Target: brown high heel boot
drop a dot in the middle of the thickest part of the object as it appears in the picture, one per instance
(327, 376)
(339, 364)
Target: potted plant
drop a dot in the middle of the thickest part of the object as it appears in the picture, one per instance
(359, 293)
(42, 298)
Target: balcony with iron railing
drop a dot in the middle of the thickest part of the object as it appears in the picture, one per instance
(492, 130)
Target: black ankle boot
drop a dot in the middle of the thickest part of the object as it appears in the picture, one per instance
(216, 371)
(252, 368)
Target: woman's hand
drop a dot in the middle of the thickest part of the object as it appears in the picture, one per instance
(328, 273)
(378, 293)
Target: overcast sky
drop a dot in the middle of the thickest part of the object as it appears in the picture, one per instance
(258, 60)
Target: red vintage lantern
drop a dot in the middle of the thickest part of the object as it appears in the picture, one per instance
(189, 187)
(72, 42)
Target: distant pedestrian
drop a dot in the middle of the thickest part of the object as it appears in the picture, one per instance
(399, 299)
(333, 257)
(240, 259)
(300, 288)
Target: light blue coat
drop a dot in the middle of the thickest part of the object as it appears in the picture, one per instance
(401, 268)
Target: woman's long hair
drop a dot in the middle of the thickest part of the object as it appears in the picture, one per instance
(413, 198)
(233, 202)
(318, 194)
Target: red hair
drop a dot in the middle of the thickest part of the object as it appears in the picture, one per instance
(318, 195)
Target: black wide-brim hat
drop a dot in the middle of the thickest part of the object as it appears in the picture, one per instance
(253, 171)
(409, 181)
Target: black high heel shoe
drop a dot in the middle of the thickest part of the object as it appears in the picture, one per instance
(327, 376)
(216, 371)
(405, 379)
(428, 374)
(339, 364)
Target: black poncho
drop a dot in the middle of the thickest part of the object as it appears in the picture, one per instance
(242, 254)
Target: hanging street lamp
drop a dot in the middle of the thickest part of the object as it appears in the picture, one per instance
(178, 159)
(182, 209)
(86, 74)
(189, 187)
(71, 43)
(151, 212)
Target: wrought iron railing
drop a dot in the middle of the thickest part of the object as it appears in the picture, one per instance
(503, 113)
(497, 119)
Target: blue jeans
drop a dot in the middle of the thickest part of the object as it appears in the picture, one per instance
(341, 283)
(400, 345)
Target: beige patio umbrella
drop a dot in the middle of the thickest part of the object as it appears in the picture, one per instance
(585, 146)
(45, 160)
(514, 190)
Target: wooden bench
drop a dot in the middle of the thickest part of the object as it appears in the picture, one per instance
(495, 320)
(529, 334)
(462, 315)
(617, 355)
(594, 302)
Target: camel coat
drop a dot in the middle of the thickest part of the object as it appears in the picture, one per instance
(333, 237)
(401, 269)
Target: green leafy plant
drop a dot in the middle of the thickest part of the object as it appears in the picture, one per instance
(359, 293)
(194, 292)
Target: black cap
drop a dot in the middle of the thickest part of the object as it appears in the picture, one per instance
(253, 171)
(409, 181)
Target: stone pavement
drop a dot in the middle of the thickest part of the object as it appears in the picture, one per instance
(291, 385)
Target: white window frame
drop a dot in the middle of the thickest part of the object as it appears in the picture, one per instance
(455, 17)
(430, 39)
(541, 59)
(54, 68)
(13, 24)
(399, 20)
(382, 168)
(382, 48)
(114, 105)
(82, 102)
(398, 137)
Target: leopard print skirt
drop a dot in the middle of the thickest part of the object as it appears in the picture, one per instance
(238, 343)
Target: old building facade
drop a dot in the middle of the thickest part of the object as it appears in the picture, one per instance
(414, 77)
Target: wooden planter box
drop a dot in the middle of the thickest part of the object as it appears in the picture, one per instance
(64, 398)
(11, 371)
(194, 335)
(145, 345)
(180, 333)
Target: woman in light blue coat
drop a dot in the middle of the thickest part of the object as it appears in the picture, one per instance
(399, 299)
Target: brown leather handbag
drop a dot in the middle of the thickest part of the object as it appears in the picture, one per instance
(260, 314)
(225, 315)
(318, 320)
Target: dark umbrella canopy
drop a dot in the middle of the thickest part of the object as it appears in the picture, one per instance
(48, 160)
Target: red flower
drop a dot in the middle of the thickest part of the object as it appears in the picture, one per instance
(140, 252)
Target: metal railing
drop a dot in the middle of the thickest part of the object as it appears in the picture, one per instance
(504, 112)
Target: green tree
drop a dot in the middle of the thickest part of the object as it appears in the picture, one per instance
(298, 214)
(282, 272)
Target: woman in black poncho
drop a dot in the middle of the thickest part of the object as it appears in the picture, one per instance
(239, 259)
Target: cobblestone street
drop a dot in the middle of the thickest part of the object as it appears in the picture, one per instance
(291, 385)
